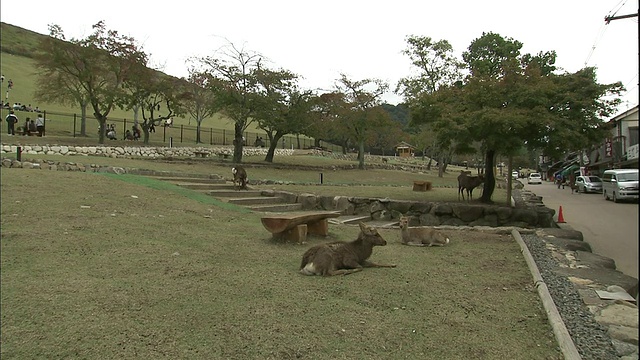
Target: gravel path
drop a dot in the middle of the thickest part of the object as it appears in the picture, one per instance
(591, 339)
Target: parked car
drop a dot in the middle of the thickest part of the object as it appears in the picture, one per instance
(589, 184)
(514, 175)
(620, 184)
(534, 178)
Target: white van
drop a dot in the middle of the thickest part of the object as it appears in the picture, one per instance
(620, 184)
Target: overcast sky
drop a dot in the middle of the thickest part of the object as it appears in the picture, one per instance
(362, 39)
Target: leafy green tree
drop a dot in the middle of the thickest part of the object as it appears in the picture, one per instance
(63, 89)
(234, 83)
(99, 65)
(360, 117)
(199, 101)
(436, 68)
(435, 63)
(510, 101)
(284, 108)
(151, 91)
(326, 124)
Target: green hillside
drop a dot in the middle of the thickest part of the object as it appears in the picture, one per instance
(17, 47)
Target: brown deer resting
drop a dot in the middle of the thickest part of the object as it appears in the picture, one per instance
(342, 258)
(468, 183)
(421, 236)
(239, 177)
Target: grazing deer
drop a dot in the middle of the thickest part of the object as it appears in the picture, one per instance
(342, 258)
(421, 236)
(468, 183)
(239, 177)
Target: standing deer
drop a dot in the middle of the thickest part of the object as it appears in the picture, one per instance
(420, 236)
(239, 177)
(342, 258)
(468, 183)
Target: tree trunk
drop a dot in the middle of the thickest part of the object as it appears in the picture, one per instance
(361, 154)
(237, 144)
(198, 123)
(103, 130)
(145, 136)
(489, 177)
(83, 119)
(271, 151)
(509, 179)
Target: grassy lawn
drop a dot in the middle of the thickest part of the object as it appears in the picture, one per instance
(107, 266)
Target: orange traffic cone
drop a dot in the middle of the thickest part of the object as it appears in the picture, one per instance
(560, 217)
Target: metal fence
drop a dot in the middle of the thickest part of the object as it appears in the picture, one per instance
(64, 124)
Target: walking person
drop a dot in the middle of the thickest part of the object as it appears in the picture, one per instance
(12, 120)
(40, 125)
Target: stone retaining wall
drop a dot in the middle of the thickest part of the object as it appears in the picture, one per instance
(426, 213)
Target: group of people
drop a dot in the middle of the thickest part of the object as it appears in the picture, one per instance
(133, 134)
(9, 84)
(562, 181)
(21, 107)
(30, 127)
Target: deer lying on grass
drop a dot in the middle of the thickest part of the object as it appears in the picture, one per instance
(421, 236)
(342, 258)
(239, 177)
(468, 183)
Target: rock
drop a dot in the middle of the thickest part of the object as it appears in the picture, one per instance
(625, 334)
(569, 244)
(468, 213)
(560, 233)
(605, 277)
(618, 314)
(595, 260)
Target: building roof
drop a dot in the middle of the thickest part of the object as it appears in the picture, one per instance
(624, 115)
(403, 144)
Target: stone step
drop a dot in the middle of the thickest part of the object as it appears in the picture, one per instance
(230, 193)
(350, 219)
(183, 180)
(277, 207)
(208, 186)
(260, 200)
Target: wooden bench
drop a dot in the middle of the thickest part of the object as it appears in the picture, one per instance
(203, 154)
(421, 185)
(223, 156)
(296, 225)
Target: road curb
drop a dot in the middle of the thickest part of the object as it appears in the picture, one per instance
(565, 342)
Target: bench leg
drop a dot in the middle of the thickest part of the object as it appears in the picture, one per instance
(320, 227)
(297, 234)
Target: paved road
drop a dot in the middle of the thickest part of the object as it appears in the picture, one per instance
(611, 229)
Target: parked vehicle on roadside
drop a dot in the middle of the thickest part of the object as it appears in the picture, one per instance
(534, 178)
(620, 184)
(587, 184)
(514, 175)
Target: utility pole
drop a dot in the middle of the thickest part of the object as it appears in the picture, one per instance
(608, 19)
